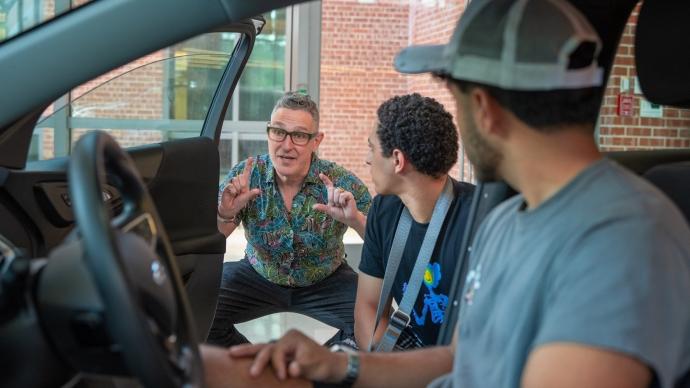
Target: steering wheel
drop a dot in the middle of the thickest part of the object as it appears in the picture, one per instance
(131, 261)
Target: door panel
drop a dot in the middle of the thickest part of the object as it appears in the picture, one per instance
(182, 177)
(184, 188)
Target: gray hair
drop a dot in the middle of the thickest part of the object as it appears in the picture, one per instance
(298, 101)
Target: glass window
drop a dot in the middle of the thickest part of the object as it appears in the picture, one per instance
(264, 78)
(261, 84)
(17, 16)
(162, 96)
(247, 145)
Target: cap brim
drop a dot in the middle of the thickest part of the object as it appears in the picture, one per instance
(421, 59)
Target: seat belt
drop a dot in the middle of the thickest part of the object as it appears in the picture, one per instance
(486, 197)
(400, 318)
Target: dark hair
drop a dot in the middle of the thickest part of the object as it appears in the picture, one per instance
(546, 111)
(298, 101)
(420, 128)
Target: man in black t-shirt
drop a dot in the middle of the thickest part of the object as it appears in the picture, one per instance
(410, 153)
(432, 300)
(411, 150)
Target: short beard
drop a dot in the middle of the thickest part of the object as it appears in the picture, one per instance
(481, 154)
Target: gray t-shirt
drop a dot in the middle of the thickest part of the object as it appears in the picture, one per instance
(604, 262)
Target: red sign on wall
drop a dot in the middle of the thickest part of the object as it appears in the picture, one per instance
(625, 105)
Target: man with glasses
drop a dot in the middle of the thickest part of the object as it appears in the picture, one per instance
(295, 257)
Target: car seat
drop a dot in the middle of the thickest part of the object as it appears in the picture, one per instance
(674, 180)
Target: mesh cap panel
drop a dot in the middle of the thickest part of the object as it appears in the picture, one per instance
(539, 17)
(483, 34)
(515, 45)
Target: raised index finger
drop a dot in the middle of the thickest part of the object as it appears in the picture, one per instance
(244, 177)
(326, 180)
(329, 188)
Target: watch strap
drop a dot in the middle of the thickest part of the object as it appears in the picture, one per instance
(352, 369)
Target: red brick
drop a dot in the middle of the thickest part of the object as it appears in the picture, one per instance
(638, 132)
(623, 141)
(651, 142)
(617, 131)
(677, 143)
(665, 132)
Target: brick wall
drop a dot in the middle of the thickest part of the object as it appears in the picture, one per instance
(635, 132)
(433, 22)
(135, 95)
(358, 43)
(353, 87)
(120, 97)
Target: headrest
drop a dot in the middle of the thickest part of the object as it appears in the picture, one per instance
(661, 56)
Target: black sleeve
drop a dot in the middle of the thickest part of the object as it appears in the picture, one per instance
(372, 256)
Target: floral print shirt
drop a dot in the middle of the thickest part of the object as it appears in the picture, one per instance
(303, 246)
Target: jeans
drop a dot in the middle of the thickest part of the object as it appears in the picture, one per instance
(246, 295)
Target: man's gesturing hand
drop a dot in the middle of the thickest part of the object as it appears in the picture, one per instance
(237, 193)
(341, 205)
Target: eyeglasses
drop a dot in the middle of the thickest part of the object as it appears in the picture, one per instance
(297, 137)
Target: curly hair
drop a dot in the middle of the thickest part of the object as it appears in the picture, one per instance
(422, 129)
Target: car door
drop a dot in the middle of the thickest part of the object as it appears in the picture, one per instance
(172, 137)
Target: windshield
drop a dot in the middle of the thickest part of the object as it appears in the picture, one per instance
(18, 16)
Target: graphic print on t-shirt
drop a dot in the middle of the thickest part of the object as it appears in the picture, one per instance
(434, 303)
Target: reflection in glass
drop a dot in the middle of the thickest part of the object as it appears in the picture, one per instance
(18, 16)
(162, 96)
(246, 149)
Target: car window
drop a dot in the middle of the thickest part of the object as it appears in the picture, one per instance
(162, 96)
(18, 16)
(262, 83)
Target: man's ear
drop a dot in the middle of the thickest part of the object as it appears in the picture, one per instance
(488, 113)
(319, 138)
(399, 161)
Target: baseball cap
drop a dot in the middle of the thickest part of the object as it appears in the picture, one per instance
(529, 45)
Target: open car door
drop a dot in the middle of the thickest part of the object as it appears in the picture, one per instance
(173, 102)
(171, 105)
(69, 75)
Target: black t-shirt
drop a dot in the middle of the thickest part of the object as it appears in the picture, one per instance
(382, 221)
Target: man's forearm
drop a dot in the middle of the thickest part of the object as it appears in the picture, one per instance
(415, 368)
(364, 326)
(360, 225)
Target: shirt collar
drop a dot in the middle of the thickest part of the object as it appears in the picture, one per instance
(312, 174)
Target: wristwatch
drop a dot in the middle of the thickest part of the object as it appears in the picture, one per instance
(352, 364)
